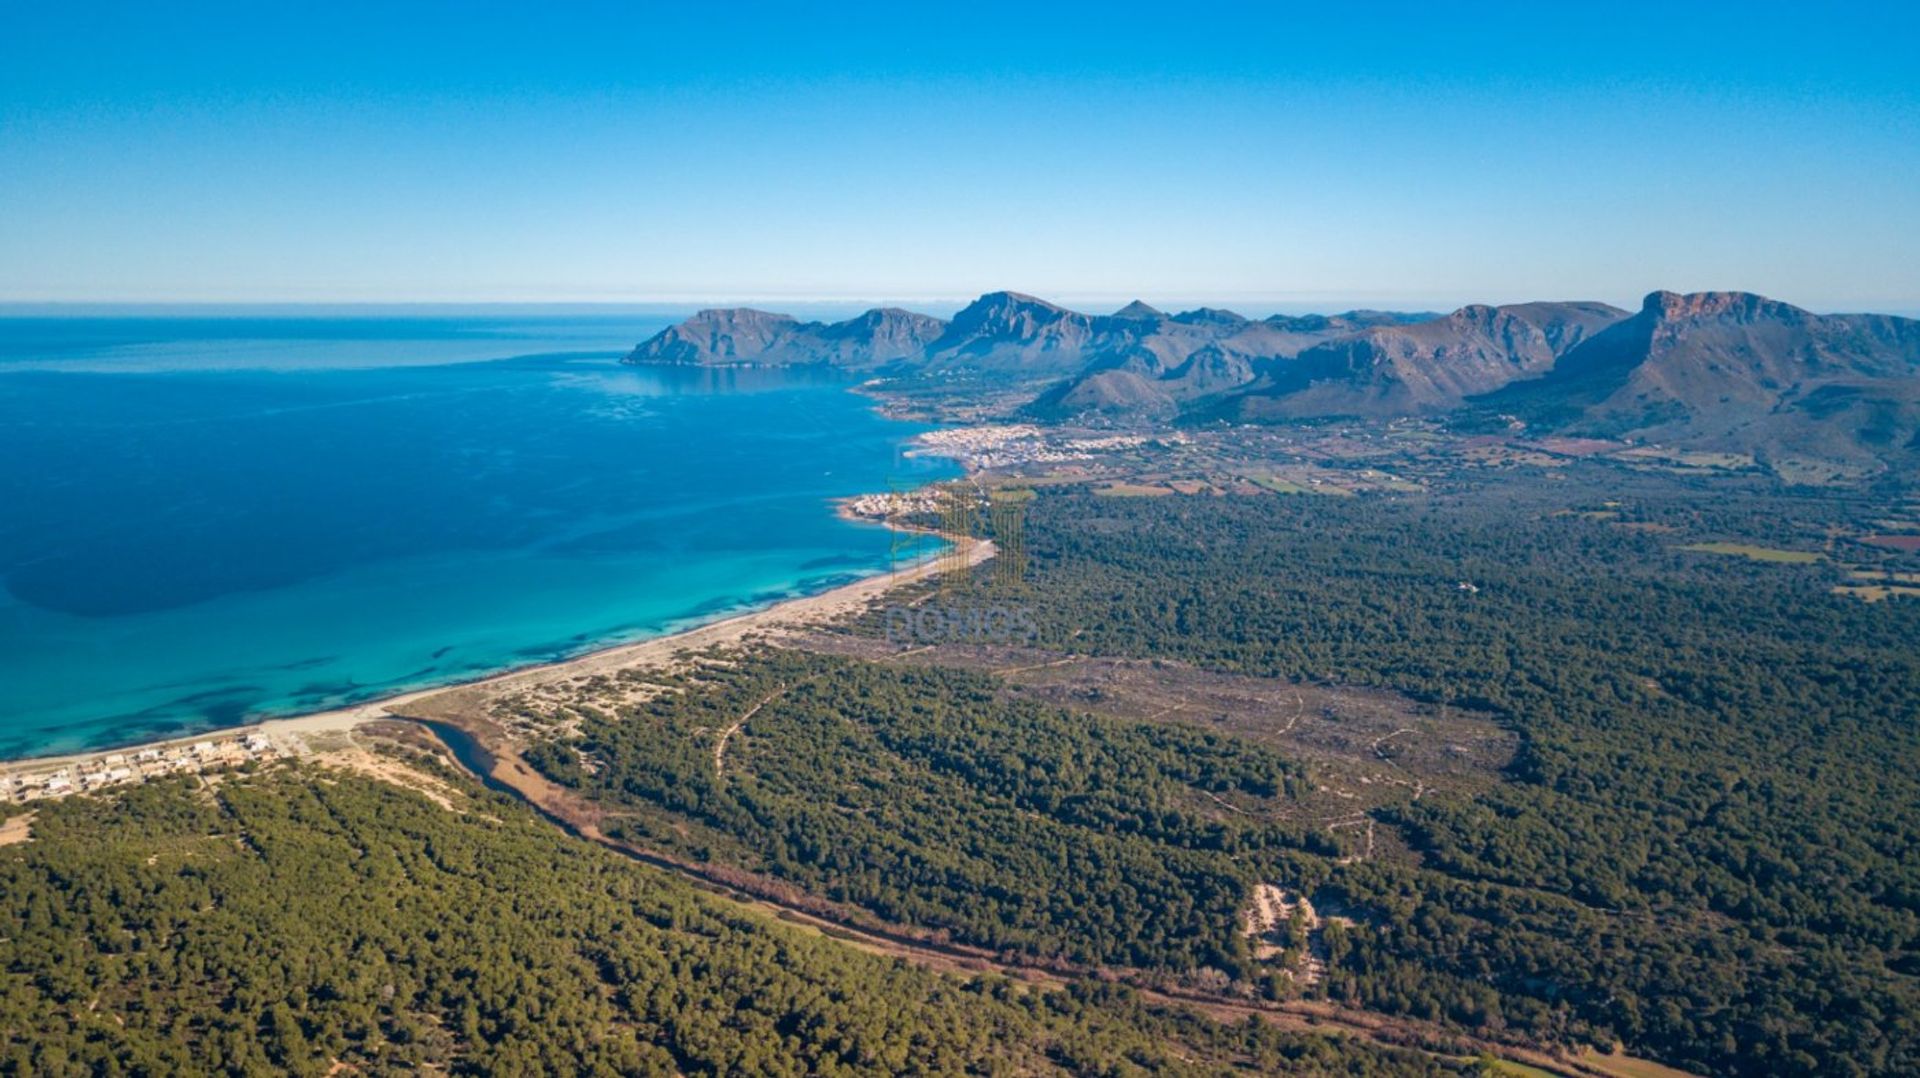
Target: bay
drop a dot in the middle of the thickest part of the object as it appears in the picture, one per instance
(209, 520)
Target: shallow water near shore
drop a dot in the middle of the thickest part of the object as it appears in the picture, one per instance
(204, 521)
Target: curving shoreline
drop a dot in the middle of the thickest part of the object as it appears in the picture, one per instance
(286, 734)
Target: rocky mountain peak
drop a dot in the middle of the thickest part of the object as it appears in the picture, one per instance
(1138, 310)
(1001, 310)
(1210, 316)
(1013, 331)
(1727, 306)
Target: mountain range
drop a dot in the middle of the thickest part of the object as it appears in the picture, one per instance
(1723, 370)
(1737, 372)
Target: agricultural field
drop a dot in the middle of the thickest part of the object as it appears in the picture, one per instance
(1757, 553)
(1876, 593)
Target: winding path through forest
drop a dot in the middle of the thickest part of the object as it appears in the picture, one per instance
(720, 746)
(480, 750)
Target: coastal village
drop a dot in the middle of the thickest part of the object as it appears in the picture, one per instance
(988, 448)
(1337, 461)
(38, 780)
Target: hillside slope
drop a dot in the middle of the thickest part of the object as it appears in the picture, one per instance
(1424, 368)
(1737, 372)
(742, 336)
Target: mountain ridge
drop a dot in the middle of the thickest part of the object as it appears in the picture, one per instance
(1424, 368)
(1737, 372)
(1727, 370)
(741, 336)
(1012, 332)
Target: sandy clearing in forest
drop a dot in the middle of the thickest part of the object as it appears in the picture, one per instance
(361, 760)
(15, 829)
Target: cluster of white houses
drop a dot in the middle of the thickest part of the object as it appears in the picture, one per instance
(894, 504)
(28, 781)
(987, 448)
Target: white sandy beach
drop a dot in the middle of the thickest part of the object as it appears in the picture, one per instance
(800, 612)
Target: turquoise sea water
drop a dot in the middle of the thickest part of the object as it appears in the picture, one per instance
(208, 520)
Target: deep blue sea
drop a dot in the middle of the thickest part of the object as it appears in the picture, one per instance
(207, 520)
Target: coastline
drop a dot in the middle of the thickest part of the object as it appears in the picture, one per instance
(801, 611)
(158, 659)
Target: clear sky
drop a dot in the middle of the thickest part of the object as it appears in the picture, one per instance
(1342, 154)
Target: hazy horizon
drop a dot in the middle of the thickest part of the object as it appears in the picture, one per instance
(804, 308)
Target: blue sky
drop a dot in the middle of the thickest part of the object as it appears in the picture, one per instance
(1272, 158)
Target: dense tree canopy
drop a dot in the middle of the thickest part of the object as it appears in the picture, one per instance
(920, 795)
(286, 922)
(1710, 845)
(1707, 846)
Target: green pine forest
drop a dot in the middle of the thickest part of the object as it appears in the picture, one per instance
(1704, 849)
(294, 922)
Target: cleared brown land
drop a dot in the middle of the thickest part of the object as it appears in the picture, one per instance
(1367, 748)
(15, 829)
